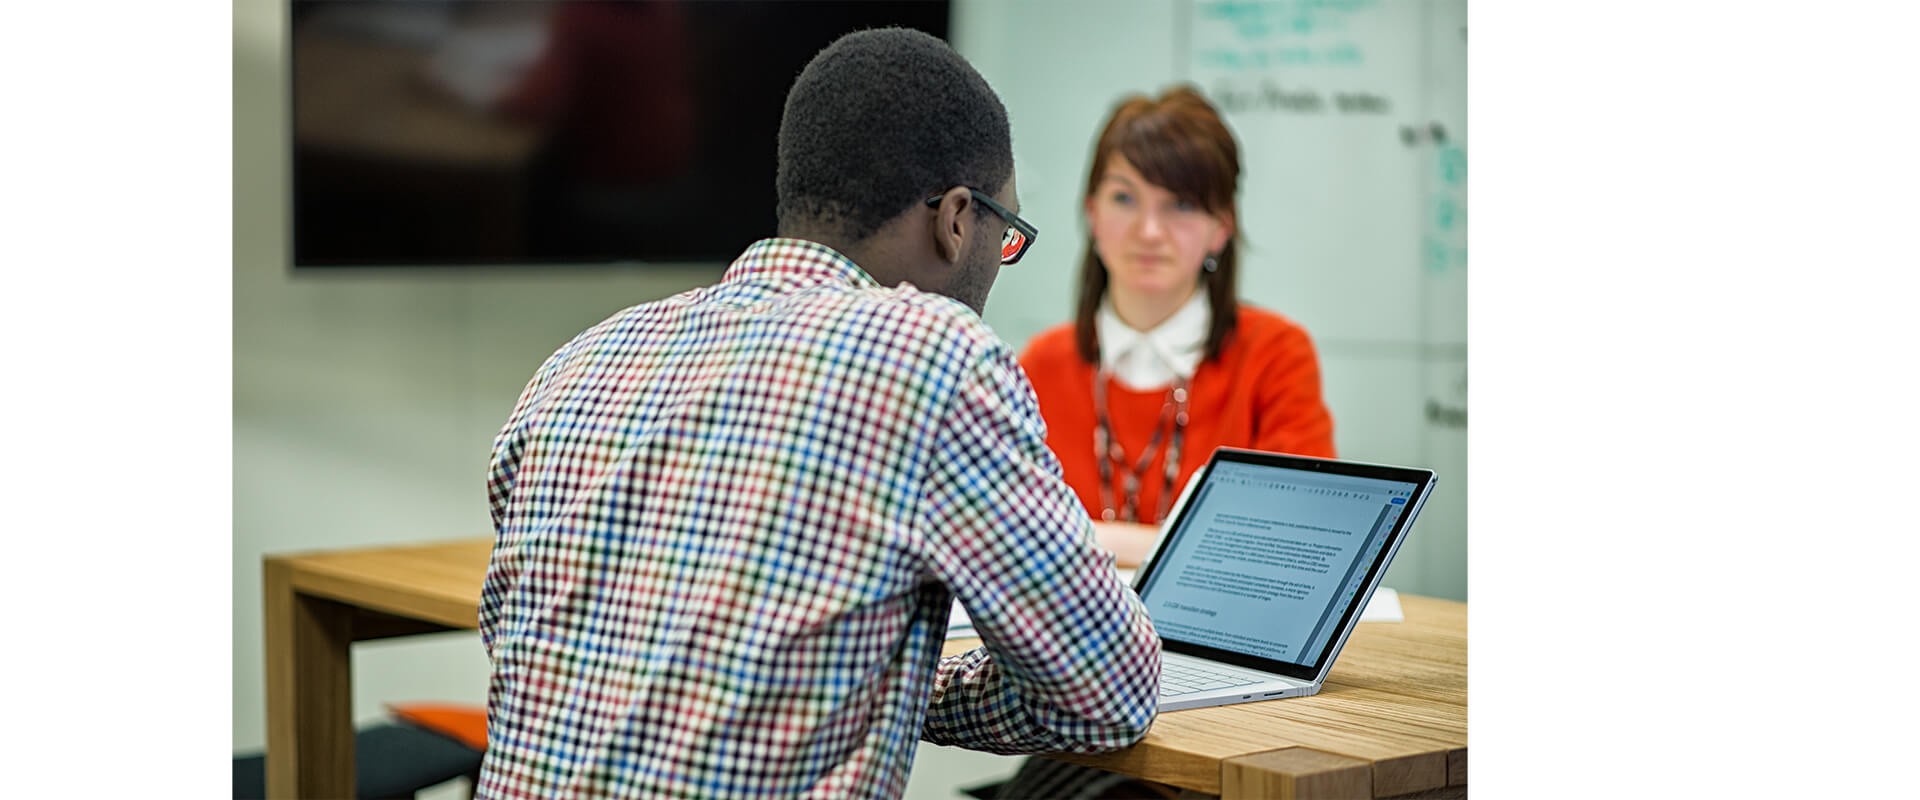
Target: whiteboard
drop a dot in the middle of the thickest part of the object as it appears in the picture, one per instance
(1331, 207)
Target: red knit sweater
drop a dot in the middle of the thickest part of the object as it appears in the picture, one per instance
(1263, 392)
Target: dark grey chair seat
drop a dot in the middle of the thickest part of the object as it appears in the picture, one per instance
(391, 760)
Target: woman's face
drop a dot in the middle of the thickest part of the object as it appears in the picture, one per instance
(1151, 241)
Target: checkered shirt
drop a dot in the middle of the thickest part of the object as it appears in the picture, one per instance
(730, 526)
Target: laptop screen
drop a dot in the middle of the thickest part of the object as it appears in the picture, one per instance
(1268, 556)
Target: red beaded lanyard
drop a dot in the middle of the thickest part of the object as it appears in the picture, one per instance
(1107, 452)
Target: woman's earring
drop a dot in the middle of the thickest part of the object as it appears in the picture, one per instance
(1210, 264)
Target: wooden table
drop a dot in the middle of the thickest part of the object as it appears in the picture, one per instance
(1391, 720)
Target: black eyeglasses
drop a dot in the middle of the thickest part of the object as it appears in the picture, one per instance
(1020, 233)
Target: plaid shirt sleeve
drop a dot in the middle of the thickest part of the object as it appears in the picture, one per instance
(1071, 662)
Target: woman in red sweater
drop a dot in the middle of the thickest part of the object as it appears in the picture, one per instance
(1162, 362)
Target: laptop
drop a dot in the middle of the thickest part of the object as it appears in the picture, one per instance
(1263, 568)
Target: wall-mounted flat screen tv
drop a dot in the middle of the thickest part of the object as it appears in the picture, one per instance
(491, 132)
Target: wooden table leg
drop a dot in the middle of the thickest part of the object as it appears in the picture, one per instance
(309, 691)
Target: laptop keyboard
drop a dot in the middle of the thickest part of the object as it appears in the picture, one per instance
(1180, 677)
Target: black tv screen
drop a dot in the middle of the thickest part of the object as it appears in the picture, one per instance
(487, 132)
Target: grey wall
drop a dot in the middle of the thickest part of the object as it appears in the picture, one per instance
(364, 403)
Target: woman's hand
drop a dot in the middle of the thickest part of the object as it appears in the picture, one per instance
(1128, 541)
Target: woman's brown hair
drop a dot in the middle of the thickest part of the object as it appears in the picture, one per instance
(1179, 143)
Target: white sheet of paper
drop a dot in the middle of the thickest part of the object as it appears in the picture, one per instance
(958, 626)
(1384, 606)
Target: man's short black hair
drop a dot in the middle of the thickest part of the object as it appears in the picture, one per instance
(879, 121)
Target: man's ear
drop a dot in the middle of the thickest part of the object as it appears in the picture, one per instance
(952, 223)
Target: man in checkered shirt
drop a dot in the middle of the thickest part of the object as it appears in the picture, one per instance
(731, 523)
